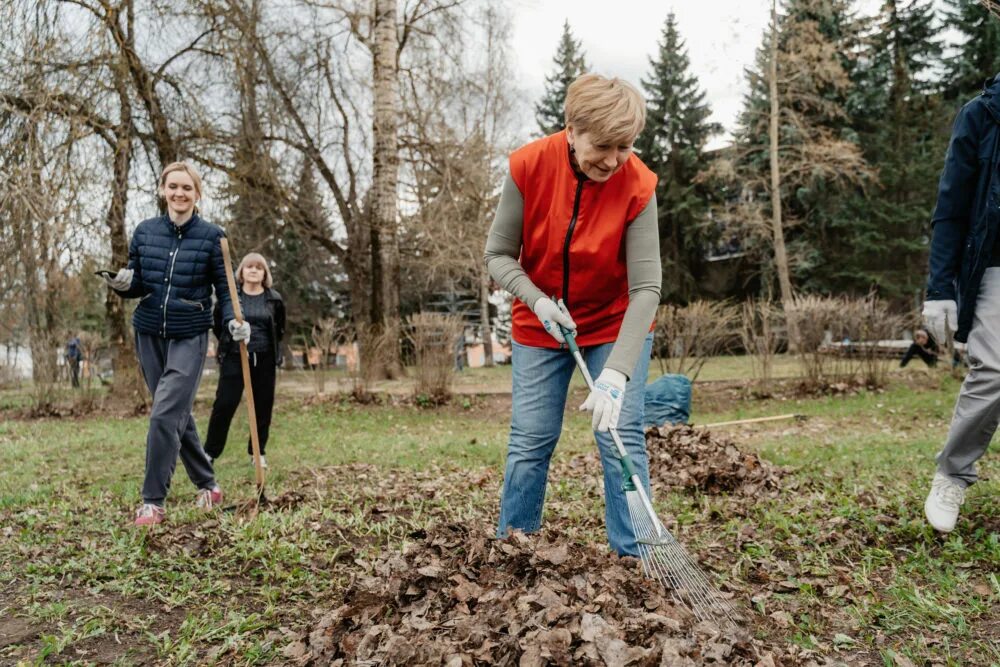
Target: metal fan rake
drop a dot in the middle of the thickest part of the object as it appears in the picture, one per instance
(663, 557)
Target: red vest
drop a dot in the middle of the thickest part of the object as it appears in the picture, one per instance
(573, 243)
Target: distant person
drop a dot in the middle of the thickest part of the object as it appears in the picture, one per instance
(963, 295)
(174, 263)
(576, 232)
(74, 355)
(923, 346)
(264, 309)
(459, 350)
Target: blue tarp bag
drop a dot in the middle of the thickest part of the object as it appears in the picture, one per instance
(668, 400)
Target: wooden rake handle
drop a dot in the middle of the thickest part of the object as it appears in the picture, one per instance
(245, 362)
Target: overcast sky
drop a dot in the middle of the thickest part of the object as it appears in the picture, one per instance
(619, 36)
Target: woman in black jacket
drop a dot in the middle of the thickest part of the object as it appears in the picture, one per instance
(265, 311)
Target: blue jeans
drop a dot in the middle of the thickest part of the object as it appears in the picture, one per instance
(541, 380)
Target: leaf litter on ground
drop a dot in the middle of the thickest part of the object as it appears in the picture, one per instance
(458, 596)
(455, 595)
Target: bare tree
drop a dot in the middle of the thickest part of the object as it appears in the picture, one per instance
(458, 134)
(95, 86)
(323, 86)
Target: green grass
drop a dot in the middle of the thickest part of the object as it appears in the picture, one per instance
(852, 570)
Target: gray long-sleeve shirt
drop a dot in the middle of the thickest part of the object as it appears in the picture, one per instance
(642, 256)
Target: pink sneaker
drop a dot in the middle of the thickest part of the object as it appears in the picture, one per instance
(209, 498)
(149, 515)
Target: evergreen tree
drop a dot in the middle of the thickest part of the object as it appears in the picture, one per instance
(304, 274)
(570, 63)
(978, 55)
(898, 116)
(820, 160)
(673, 145)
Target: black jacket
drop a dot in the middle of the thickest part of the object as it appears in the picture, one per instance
(175, 270)
(275, 305)
(967, 214)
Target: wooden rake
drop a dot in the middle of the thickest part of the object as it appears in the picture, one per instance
(663, 557)
(245, 363)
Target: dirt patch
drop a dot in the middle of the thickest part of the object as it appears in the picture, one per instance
(458, 597)
(16, 630)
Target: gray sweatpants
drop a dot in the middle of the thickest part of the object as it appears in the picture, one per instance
(977, 411)
(172, 368)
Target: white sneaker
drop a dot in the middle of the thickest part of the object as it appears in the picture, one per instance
(943, 503)
(263, 461)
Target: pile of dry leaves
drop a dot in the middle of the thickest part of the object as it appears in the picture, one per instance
(682, 456)
(459, 597)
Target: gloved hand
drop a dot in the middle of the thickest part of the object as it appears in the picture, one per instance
(606, 399)
(551, 315)
(240, 331)
(122, 280)
(940, 316)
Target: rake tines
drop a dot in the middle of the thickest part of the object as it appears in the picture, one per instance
(665, 560)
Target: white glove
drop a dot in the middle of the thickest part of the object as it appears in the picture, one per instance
(122, 280)
(606, 399)
(552, 315)
(940, 316)
(240, 331)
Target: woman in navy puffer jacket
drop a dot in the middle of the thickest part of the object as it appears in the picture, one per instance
(174, 263)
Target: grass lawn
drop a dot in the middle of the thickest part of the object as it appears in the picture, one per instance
(840, 562)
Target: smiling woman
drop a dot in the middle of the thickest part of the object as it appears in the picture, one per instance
(576, 230)
(180, 188)
(175, 262)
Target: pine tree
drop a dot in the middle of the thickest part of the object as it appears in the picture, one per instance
(304, 274)
(978, 55)
(898, 115)
(570, 63)
(673, 146)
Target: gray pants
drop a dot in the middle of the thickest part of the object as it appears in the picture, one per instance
(172, 368)
(977, 411)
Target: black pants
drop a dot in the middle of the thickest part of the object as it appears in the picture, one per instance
(227, 399)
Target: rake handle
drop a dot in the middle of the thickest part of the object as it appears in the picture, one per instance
(623, 457)
(245, 363)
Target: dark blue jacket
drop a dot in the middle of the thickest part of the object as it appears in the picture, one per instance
(967, 214)
(175, 271)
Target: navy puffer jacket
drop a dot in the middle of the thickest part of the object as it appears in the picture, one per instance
(175, 269)
(966, 219)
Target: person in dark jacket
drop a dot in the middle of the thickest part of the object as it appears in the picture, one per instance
(923, 346)
(265, 311)
(74, 355)
(963, 294)
(174, 263)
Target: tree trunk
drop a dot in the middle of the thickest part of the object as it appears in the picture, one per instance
(780, 255)
(484, 309)
(385, 174)
(128, 384)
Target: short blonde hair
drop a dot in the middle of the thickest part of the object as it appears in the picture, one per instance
(612, 110)
(187, 169)
(255, 258)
